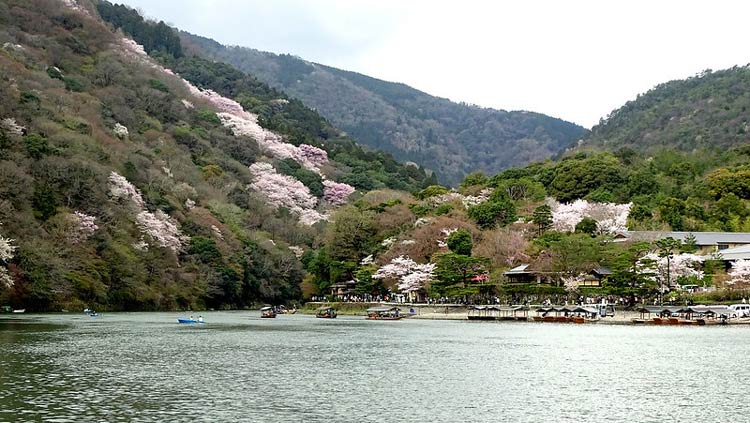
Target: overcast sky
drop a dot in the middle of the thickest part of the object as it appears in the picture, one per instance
(577, 60)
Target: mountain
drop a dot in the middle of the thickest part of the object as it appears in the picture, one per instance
(138, 181)
(452, 139)
(708, 110)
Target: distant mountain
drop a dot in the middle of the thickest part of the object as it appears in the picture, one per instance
(708, 110)
(452, 139)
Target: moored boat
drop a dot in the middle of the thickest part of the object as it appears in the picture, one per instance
(267, 313)
(384, 313)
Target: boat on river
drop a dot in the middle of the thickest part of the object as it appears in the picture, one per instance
(325, 312)
(21, 310)
(267, 313)
(384, 313)
(190, 321)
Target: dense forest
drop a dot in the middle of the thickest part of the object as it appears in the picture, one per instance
(450, 138)
(708, 110)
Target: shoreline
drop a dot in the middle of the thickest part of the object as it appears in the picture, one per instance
(460, 312)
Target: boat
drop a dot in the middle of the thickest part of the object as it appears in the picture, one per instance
(190, 321)
(267, 313)
(325, 312)
(284, 310)
(384, 313)
(93, 314)
(20, 310)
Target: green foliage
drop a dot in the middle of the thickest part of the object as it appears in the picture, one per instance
(455, 270)
(460, 242)
(36, 146)
(476, 178)
(542, 218)
(154, 37)
(492, 213)
(587, 225)
(432, 191)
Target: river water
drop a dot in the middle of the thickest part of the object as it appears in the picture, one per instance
(238, 367)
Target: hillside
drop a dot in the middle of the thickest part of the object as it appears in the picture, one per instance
(704, 111)
(126, 186)
(450, 138)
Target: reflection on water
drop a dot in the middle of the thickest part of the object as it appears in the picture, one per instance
(238, 367)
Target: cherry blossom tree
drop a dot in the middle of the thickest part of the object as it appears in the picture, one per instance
(336, 193)
(671, 268)
(83, 226)
(411, 276)
(572, 282)
(740, 272)
(7, 250)
(281, 190)
(120, 130)
(10, 125)
(161, 229)
(121, 188)
(611, 218)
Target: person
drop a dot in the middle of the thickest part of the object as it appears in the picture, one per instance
(200, 319)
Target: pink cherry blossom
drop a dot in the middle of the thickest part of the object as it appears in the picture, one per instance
(161, 229)
(336, 193)
(740, 272)
(83, 226)
(121, 189)
(611, 218)
(660, 269)
(411, 276)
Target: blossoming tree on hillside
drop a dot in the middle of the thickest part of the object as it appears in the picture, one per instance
(411, 276)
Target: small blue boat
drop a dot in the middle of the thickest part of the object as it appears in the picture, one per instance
(191, 321)
(93, 314)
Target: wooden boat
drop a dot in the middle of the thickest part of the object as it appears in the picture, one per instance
(267, 313)
(384, 313)
(325, 313)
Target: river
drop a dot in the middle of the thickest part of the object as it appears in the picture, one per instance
(238, 367)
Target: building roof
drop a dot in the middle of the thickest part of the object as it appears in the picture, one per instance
(519, 270)
(737, 253)
(701, 238)
(602, 271)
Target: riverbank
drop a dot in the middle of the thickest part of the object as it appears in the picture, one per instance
(461, 312)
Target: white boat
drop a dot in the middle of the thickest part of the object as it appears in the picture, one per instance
(20, 310)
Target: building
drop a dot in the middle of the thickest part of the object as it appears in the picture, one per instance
(707, 242)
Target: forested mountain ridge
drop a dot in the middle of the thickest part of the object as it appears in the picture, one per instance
(704, 111)
(126, 186)
(450, 138)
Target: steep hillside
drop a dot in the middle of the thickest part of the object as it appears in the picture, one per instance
(704, 111)
(126, 186)
(449, 138)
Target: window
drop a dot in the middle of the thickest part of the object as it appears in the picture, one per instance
(723, 247)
